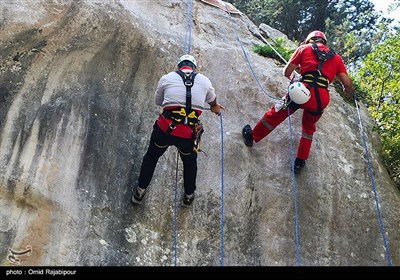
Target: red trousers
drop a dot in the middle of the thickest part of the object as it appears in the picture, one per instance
(272, 119)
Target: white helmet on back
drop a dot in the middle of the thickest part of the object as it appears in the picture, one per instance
(187, 58)
(298, 93)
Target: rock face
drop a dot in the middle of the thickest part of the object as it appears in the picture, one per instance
(77, 81)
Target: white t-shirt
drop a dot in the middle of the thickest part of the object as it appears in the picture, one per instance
(172, 92)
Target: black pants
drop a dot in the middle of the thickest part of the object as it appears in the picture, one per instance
(159, 143)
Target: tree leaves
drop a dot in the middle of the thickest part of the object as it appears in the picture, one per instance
(379, 77)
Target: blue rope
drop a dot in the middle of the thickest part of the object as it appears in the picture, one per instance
(188, 40)
(373, 184)
(222, 195)
(247, 58)
(188, 37)
(175, 205)
(294, 191)
(291, 141)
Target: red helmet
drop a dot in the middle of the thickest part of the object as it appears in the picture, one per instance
(316, 34)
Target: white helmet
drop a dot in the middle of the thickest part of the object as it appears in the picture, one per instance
(187, 57)
(299, 93)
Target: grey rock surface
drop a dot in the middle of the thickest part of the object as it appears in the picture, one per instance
(77, 81)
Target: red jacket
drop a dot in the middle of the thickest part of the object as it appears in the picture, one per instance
(308, 61)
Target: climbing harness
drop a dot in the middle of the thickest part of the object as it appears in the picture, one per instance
(322, 56)
(179, 116)
(313, 79)
(316, 79)
(187, 115)
(191, 117)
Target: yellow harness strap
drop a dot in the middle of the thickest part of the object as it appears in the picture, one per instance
(321, 81)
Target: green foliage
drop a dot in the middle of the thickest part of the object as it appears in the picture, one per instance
(277, 46)
(350, 25)
(379, 78)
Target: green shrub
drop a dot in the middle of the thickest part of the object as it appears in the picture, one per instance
(277, 46)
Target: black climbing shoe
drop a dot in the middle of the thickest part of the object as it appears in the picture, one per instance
(298, 165)
(137, 197)
(187, 200)
(247, 133)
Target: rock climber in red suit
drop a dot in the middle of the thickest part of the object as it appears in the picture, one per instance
(316, 77)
